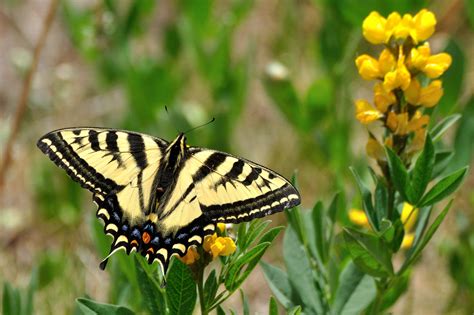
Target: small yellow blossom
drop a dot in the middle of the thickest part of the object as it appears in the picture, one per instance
(432, 65)
(418, 121)
(358, 217)
(374, 28)
(407, 241)
(399, 77)
(424, 24)
(382, 98)
(191, 256)
(374, 149)
(219, 246)
(398, 123)
(379, 30)
(408, 216)
(368, 67)
(387, 62)
(366, 113)
(404, 27)
(427, 96)
(221, 226)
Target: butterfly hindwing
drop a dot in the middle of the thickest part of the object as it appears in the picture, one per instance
(231, 189)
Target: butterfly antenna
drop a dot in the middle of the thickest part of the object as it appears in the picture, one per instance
(200, 126)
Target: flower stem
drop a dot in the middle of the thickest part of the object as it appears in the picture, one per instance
(200, 280)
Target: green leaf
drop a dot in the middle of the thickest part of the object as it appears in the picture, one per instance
(272, 307)
(470, 12)
(399, 175)
(381, 200)
(234, 277)
(153, 298)
(11, 300)
(355, 292)
(463, 144)
(423, 219)
(220, 310)
(443, 188)
(90, 307)
(369, 252)
(440, 128)
(27, 307)
(181, 289)
(294, 218)
(318, 217)
(442, 159)
(271, 234)
(398, 286)
(398, 235)
(299, 272)
(210, 289)
(366, 200)
(429, 234)
(254, 232)
(279, 284)
(295, 311)
(453, 80)
(245, 303)
(421, 174)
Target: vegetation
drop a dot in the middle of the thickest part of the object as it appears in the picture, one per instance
(368, 104)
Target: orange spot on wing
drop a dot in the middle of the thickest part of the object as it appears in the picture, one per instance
(134, 242)
(146, 237)
(150, 250)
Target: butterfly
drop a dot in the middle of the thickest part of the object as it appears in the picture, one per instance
(159, 198)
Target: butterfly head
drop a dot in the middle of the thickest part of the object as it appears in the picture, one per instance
(177, 149)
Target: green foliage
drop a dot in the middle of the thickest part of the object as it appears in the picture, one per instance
(184, 284)
(199, 67)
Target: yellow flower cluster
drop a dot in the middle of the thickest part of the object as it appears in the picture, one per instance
(213, 244)
(405, 71)
(408, 217)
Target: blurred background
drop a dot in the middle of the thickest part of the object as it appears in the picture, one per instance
(279, 78)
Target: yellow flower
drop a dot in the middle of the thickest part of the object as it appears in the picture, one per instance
(387, 62)
(358, 217)
(404, 27)
(432, 65)
(418, 121)
(398, 123)
(399, 77)
(409, 216)
(408, 240)
(221, 226)
(374, 28)
(424, 24)
(219, 246)
(191, 256)
(374, 149)
(427, 96)
(366, 113)
(368, 67)
(382, 98)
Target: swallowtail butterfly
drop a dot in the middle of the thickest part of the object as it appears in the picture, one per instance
(160, 198)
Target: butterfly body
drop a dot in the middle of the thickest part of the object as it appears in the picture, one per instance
(160, 198)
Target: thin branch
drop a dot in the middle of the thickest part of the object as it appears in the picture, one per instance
(25, 91)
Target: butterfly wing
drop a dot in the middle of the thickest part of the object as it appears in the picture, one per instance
(231, 189)
(119, 167)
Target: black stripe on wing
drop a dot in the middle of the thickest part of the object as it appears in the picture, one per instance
(262, 205)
